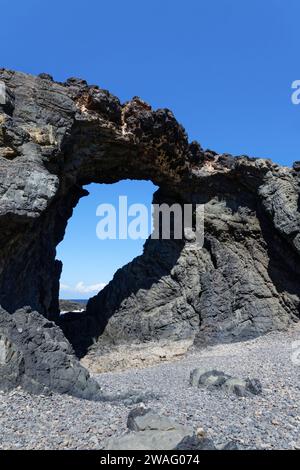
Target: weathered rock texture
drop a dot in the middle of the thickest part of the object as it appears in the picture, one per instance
(151, 431)
(35, 355)
(57, 137)
(215, 379)
(245, 280)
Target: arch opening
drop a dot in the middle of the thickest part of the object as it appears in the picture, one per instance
(90, 259)
(136, 266)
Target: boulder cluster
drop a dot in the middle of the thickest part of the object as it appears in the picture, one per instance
(219, 380)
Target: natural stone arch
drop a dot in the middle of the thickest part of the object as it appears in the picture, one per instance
(57, 137)
(62, 137)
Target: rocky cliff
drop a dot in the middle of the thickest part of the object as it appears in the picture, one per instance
(57, 137)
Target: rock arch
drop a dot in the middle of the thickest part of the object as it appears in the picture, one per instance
(57, 137)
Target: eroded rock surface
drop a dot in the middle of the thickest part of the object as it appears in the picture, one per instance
(35, 355)
(57, 137)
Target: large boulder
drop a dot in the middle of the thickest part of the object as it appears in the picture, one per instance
(215, 379)
(142, 419)
(149, 431)
(35, 355)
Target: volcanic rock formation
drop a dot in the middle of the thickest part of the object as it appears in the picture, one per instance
(57, 137)
(35, 355)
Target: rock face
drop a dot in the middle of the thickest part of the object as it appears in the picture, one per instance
(34, 354)
(245, 280)
(57, 137)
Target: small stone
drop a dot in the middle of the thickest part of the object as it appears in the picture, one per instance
(232, 445)
(94, 441)
(275, 422)
(200, 433)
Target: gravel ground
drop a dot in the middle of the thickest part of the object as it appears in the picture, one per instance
(267, 421)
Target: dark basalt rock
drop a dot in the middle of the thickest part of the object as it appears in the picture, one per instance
(193, 443)
(57, 137)
(35, 354)
(215, 379)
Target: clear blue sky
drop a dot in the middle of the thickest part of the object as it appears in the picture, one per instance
(224, 67)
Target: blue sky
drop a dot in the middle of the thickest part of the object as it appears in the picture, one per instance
(224, 67)
(89, 263)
